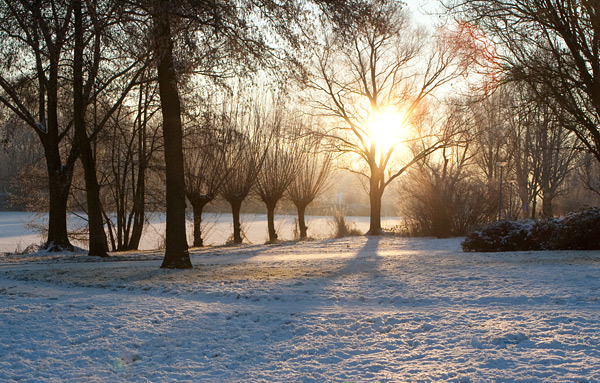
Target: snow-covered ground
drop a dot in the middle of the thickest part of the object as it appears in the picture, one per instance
(356, 309)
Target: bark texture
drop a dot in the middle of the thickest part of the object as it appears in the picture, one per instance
(176, 252)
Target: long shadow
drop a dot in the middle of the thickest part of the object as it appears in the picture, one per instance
(242, 251)
(365, 261)
(364, 278)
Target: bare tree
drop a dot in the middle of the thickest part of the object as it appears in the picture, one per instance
(245, 155)
(210, 155)
(97, 237)
(377, 65)
(65, 40)
(93, 32)
(540, 151)
(124, 153)
(310, 179)
(520, 114)
(557, 149)
(553, 46)
(176, 252)
(281, 163)
(29, 36)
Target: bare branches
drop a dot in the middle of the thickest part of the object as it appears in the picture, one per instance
(380, 64)
(311, 176)
(553, 46)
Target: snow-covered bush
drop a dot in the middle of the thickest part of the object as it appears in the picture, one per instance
(547, 233)
(577, 231)
(581, 230)
(502, 236)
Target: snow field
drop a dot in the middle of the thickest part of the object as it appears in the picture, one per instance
(357, 309)
(217, 228)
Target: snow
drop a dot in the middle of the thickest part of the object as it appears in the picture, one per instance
(352, 309)
(15, 233)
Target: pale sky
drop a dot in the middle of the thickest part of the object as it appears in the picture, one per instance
(423, 9)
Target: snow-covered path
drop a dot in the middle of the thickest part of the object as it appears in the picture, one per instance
(359, 309)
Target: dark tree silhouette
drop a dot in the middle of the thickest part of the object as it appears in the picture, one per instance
(124, 153)
(209, 149)
(47, 34)
(281, 162)
(176, 252)
(31, 37)
(310, 177)
(246, 151)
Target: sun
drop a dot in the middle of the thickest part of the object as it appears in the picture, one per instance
(387, 128)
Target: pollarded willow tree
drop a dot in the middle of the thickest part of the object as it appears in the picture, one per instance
(283, 158)
(211, 153)
(311, 177)
(245, 154)
(372, 75)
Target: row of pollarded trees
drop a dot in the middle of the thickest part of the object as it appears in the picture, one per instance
(250, 148)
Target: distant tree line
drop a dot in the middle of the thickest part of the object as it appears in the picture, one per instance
(532, 128)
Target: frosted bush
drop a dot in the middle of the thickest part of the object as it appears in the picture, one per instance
(577, 231)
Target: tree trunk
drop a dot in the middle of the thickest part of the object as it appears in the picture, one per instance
(375, 193)
(236, 206)
(301, 207)
(547, 208)
(197, 207)
(138, 211)
(271, 220)
(97, 235)
(59, 175)
(176, 252)
(59, 183)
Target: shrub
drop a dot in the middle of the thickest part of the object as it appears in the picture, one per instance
(546, 233)
(577, 231)
(581, 230)
(502, 236)
(341, 228)
(443, 201)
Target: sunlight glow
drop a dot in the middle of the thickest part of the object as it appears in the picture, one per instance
(388, 128)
